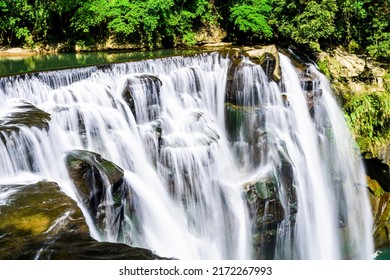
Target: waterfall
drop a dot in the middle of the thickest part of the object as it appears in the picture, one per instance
(268, 177)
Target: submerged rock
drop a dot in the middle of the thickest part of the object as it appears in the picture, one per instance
(39, 221)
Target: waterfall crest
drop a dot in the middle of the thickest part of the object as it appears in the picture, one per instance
(275, 175)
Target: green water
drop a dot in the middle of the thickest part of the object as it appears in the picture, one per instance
(384, 254)
(14, 65)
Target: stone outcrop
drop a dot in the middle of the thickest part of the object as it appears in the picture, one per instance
(351, 74)
(380, 202)
(39, 221)
(268, 58)
(210, 34)
(25, 114)
(150, 86)
(96, 179)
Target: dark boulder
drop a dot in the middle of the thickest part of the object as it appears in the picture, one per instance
(101, 187)
(148, 85)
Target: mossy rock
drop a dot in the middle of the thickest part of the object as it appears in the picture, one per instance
(78, 161)
(39, 221)
(35, 213)
(380, 203)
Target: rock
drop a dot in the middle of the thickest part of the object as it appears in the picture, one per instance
(211, 35)
(231, 92)
(380, 203)
(243, 123)
(96, 180)
(351, 74)
(378, 171)
(148, 85)
(40, 222)
(266, 213)
(23, 114)
(268, 58)
(16, 52)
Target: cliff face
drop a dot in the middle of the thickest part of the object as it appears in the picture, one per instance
(364, 88)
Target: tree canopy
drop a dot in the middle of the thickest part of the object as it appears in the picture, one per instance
(359, 25)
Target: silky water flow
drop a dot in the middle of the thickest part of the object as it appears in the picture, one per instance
(275, 175)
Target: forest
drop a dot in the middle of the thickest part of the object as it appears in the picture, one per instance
(360, 26)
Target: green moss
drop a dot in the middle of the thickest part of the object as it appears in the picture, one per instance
(368, 117)
(324, 67)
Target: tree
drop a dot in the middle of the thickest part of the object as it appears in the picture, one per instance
(15, 21)
(304, 22)
(251, 18)
(378, 39)
(315, 23)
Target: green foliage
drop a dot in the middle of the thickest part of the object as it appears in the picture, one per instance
(379, 36)
(323, 66)
(251, 17)
(368, 116)
(15, 16)
(358, 25)
(315, 22)
(305, 22)
(156, 23)
(92, 14)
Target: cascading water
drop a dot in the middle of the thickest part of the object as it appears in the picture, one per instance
(268, 177)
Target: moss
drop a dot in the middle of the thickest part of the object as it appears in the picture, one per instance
(34, 224)
(323, 65)
(368, 117)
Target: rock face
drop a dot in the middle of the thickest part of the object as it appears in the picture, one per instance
(100, 185)
(39, 221)
(210, 34)
(268, 58)
(142, 95)
(380, 201)
(351, 74)
(23, 114)
(267, 213)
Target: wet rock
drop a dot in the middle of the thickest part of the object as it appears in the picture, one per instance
(243, 126)
(142, 93)
(98, 181)
(23, 114)
(39, 221)
(231, 94)
(266, 213)
(268, 58)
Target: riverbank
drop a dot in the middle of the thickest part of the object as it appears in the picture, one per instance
(9, 52)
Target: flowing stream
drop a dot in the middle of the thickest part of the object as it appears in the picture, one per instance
(206, 178)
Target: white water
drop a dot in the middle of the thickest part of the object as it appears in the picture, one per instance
(186, 179)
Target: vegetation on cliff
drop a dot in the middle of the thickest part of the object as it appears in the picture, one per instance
(358, 25)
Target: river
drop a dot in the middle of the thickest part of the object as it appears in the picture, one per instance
(20, 64)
